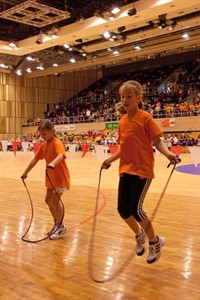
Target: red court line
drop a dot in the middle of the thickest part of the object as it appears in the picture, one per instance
(94, 215)
(9, 253)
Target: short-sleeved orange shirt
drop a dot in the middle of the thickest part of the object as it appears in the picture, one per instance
(60, 176)
(135, 138)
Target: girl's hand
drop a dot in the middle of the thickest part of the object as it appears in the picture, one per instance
(106, 164)
(50, 167)
(24, 176)
(174, 159)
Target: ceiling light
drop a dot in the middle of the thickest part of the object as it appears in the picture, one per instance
(30, 58)
(72, 60)
(137, 47)
(40, 68)
(66, 46)
(115, 52)
(106, 34)
(115, 10)
(19, 72)
(13, 45)
(111, 18)
(28, 70)
(55, 65)
(53, 36)
(3, 66)
(185, 36)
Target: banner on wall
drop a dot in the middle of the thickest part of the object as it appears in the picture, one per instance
(195, 153)
(85, 148)
(25, 146)
(168, 122)
(65, 127)
(113, 125)
(4, 144)
(72, 149)
(15, 144)
(113, 149)
(99, 151)
(176, 150)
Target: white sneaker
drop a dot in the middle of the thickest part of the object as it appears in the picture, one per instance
(140, 240)
(52, 230)
(58, 231)
(155, 250)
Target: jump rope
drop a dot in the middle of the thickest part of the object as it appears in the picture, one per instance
(92, 237)
(32, 212)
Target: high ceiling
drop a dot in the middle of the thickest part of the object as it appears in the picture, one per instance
(155, 26)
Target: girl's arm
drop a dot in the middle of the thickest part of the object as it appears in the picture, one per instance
(56, 161)
(161, 146)
(106, 164)
(30, 167)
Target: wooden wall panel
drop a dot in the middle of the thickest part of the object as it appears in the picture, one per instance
(12, 123)
(23, 98)
(2, 124)
(11, 90)
(13, 109)
(2, 92)
(18, 94)
(2, 78)
(18, 126)
(4, 108)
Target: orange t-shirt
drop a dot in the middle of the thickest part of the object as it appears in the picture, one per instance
(135, 138)
(60, 176)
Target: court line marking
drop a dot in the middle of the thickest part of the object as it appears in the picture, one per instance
(101, 208)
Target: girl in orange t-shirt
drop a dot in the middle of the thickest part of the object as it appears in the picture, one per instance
(137, 131)
(53, 151)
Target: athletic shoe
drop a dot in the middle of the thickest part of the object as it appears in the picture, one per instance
(155, 250)
(58, 232)
(140, 240)
(52, 230)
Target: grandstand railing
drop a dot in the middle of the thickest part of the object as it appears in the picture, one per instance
(113, 117)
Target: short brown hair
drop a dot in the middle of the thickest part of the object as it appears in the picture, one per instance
(46, 125)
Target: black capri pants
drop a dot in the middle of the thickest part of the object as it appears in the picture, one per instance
(131, 193)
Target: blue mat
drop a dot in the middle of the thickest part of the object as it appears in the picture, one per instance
(189, 169)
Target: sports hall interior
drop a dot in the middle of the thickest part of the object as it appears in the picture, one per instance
(95, 259)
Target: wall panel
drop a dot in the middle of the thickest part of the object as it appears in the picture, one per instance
(4, 108)
(23, 98)
(2, 124)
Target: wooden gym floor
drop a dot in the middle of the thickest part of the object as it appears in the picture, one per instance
(95, 260)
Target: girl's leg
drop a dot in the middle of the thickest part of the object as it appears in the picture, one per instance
(148, 228)
(58, 207)
(54, 204)
(133, 224)
(145, 224)
(131, 193)
(49, 202)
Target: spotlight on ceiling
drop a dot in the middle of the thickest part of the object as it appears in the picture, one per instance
(122, 28)
(132, 12)
(39, 41)
(79, 40)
